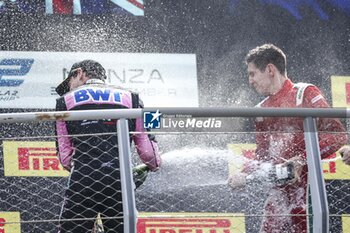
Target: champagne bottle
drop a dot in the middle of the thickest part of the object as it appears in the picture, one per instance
(278, 174)
(140, 173)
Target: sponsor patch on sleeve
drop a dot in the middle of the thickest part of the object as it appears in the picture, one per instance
(317, 98)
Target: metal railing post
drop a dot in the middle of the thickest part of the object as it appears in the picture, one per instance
(315, 177)
(127, 187)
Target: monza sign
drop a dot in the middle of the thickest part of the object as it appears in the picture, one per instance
(162, 80)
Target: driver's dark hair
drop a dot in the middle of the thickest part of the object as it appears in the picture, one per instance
(265, 54)
(93, 69)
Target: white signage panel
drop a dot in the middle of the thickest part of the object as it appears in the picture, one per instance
(28, 79)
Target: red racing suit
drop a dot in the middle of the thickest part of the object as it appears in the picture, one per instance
(280, 139)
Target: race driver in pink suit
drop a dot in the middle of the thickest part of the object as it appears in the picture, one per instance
(281, 140)
(89, 149)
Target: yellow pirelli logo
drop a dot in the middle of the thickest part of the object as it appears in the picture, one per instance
(31, 158)
(333, 166)
(240, 151)
(340, 91)
(190, 223)
(335, 169)
(10, 222)
(346, 223)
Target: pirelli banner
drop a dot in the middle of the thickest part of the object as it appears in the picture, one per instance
(340, 99)
(38, 158)
(190, 222)
(162, 80)
(10, 222)
(333, 167)
(33, 174)
(160, 222)
(341, 91)
(31, 158)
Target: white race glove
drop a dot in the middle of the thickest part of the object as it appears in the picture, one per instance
(345, 154)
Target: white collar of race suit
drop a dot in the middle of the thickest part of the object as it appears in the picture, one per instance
(94, 81)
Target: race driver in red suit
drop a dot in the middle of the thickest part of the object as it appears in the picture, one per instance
(281, 140)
